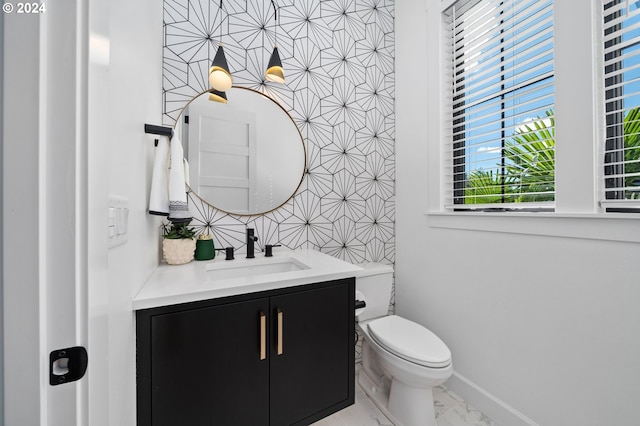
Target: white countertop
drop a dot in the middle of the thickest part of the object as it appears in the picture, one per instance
(173, 284)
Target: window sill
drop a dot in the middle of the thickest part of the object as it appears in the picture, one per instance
(623, 227)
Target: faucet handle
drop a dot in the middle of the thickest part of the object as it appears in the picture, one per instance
(268, 249)
(228, 252)
(250, 235)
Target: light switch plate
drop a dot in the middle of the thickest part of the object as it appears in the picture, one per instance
(117, 220)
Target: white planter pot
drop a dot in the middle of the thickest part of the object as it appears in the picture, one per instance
(178, 251)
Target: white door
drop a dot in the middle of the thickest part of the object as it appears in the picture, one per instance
(222, 155)
(44, 214)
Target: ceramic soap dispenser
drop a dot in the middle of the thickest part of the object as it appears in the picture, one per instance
(204, 248)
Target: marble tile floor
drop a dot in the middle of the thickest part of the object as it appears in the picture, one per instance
(451, 410)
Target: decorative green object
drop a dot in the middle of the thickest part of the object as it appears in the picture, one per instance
(177, 231)
(205, 249)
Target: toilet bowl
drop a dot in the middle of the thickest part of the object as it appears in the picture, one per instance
(401, 360)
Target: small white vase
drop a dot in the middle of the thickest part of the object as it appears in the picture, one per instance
(178, 251)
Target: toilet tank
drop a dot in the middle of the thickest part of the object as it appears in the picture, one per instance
(375, 282)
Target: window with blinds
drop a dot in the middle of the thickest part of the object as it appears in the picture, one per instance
(500, 134)
(622, 94)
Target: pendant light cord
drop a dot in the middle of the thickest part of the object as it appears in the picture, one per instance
(276, 19)
(221, 21)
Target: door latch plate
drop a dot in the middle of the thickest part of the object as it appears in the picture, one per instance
(67, 365)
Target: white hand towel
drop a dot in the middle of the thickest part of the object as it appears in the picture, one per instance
(178, 208)
(159, 198)
(187, 176)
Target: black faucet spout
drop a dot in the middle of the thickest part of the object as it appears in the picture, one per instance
(251, 239)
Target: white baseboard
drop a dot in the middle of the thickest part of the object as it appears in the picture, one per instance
(493, 407)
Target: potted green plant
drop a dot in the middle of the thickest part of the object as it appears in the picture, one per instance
(178, 243)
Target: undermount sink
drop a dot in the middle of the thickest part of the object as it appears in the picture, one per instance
(253, 267)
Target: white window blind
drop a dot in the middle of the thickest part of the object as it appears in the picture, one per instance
(621, 20)
(500, 137)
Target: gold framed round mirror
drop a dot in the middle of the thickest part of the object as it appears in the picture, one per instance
(246, 157)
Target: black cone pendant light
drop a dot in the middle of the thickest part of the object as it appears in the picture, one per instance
(274, 71)
(219, 76)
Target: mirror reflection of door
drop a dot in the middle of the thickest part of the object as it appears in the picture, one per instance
(246, 157)
(222, 147)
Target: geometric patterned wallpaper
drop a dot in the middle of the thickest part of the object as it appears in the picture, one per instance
(338, 57)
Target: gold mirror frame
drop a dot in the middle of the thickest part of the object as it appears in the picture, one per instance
(304, 151)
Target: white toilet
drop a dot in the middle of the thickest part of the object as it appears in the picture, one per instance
(401, 361)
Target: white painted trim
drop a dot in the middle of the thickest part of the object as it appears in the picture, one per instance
(21, 268)
(446, 4)
(624, 227)
(1, 222)
(42, 213)
(492, 406)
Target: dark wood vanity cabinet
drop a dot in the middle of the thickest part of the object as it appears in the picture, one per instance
(282, 357)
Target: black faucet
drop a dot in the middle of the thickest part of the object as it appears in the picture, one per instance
(268, 249)
(251, 238)
(228, 252)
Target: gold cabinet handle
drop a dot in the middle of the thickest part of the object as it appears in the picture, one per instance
(263, 336)
(280, 338)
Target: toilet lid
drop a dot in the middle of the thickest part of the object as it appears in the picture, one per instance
(410, 341)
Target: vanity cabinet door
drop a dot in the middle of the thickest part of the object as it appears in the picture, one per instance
(313, 376)
(206, 366)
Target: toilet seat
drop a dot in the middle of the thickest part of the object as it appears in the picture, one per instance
(410, 341)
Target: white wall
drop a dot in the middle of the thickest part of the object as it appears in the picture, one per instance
(1, 224)
(125, 83)
(541, 330)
